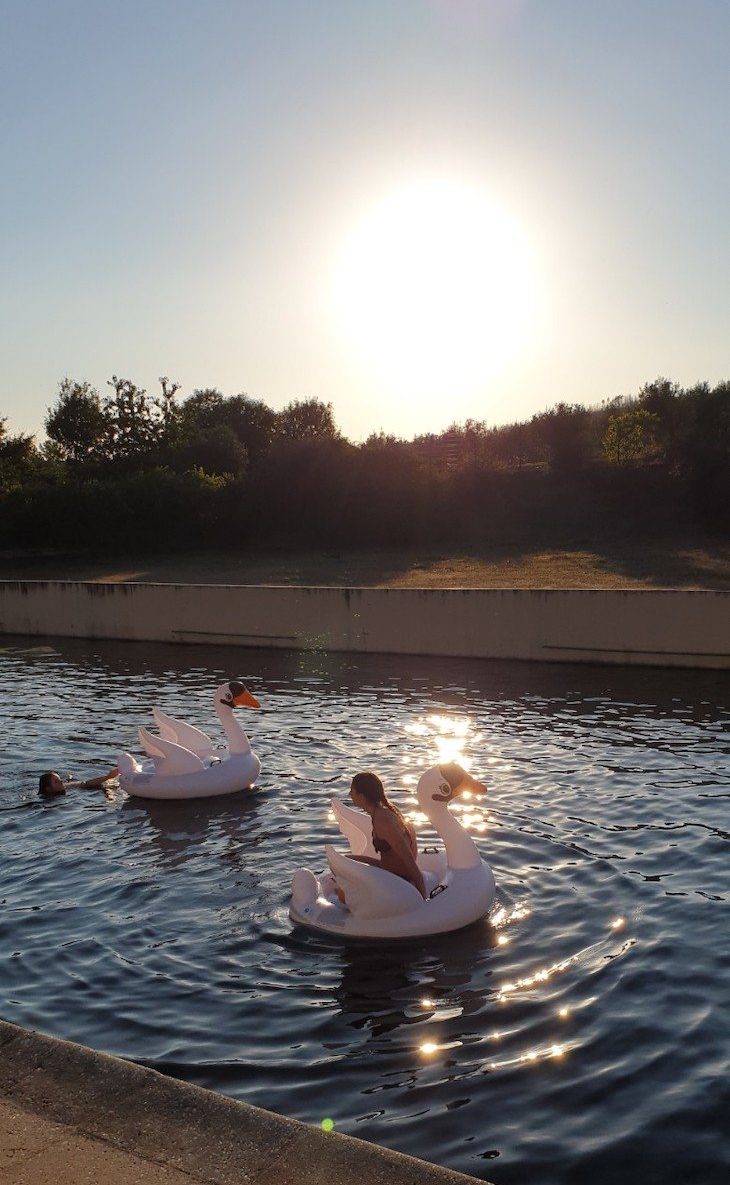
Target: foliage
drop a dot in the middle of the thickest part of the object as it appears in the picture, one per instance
(133, 470)
(212, 450)
(307, 419)
(18, 458)
(137, 423)
(152, 508)
(630, 436)
(77, 423)
(562, 432)
(253, 423)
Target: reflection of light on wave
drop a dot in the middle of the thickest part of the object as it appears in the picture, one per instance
(448, 733)
(441, 1009)
(544, 974)
(552, 1051)
(455, 726)
(502, 916)
(532, 1055)
(430, 1047)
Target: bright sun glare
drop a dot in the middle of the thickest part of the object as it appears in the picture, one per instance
(435, 290)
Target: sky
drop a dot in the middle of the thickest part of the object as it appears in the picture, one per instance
(420, 211)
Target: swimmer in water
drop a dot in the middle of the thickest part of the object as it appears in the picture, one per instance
(52, 785)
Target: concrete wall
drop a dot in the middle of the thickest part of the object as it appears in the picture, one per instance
(106, 1121)
(648, 628)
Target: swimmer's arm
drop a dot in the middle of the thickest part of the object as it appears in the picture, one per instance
(100, 782)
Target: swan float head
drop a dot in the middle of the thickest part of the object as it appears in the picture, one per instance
(236, 695)
(444, 783)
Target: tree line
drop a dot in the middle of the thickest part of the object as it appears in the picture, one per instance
(130, 469)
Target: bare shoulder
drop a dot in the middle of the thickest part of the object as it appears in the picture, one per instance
(396, 830)
(387, 822)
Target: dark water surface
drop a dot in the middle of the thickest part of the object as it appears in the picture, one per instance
(582, 1037)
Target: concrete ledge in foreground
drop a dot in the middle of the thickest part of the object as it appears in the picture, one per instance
(69, 1115)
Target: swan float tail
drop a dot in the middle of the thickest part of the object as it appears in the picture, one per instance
(371, 892)
(305, 889)
(128, 765)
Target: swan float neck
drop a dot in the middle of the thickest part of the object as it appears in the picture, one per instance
(436, 789)
(227, 697)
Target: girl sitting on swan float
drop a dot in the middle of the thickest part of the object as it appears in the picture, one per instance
(364, 896)
(393, 838)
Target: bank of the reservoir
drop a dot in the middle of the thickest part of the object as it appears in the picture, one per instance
(69, 1114)
(663, 627)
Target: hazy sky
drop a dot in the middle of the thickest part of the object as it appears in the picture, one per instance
(181, 180)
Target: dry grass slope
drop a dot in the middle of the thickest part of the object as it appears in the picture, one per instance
(691, 563)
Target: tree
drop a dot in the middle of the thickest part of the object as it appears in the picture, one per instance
(630, 436)
(215, 450)
(202, 409)
(252, 421)
(18, 457)
(562, 432)
(77, 423)
(667, 402)
(704, 453)
(137, 423)
(307, 419)
(513, 445)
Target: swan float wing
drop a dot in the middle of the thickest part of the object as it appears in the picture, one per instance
(174, 761)
(350, 823)
(150, 744)
(180, 733)
(371, 892)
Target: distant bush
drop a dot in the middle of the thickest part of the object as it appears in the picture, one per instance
(155, 508)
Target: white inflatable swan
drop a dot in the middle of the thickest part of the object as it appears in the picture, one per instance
(182, 761)
(379, 904)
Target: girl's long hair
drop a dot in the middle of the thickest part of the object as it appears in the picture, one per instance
(370, 786)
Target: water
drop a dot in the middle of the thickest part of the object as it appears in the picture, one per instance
(582, 1037)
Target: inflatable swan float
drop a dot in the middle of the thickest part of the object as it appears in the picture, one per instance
(379, 904)
(182, 761)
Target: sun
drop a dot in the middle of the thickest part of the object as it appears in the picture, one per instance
(435, 290)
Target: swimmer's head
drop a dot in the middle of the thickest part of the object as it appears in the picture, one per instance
(51, 784)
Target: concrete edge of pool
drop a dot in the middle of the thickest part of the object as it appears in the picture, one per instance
(642, 627)
(70, 1115)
